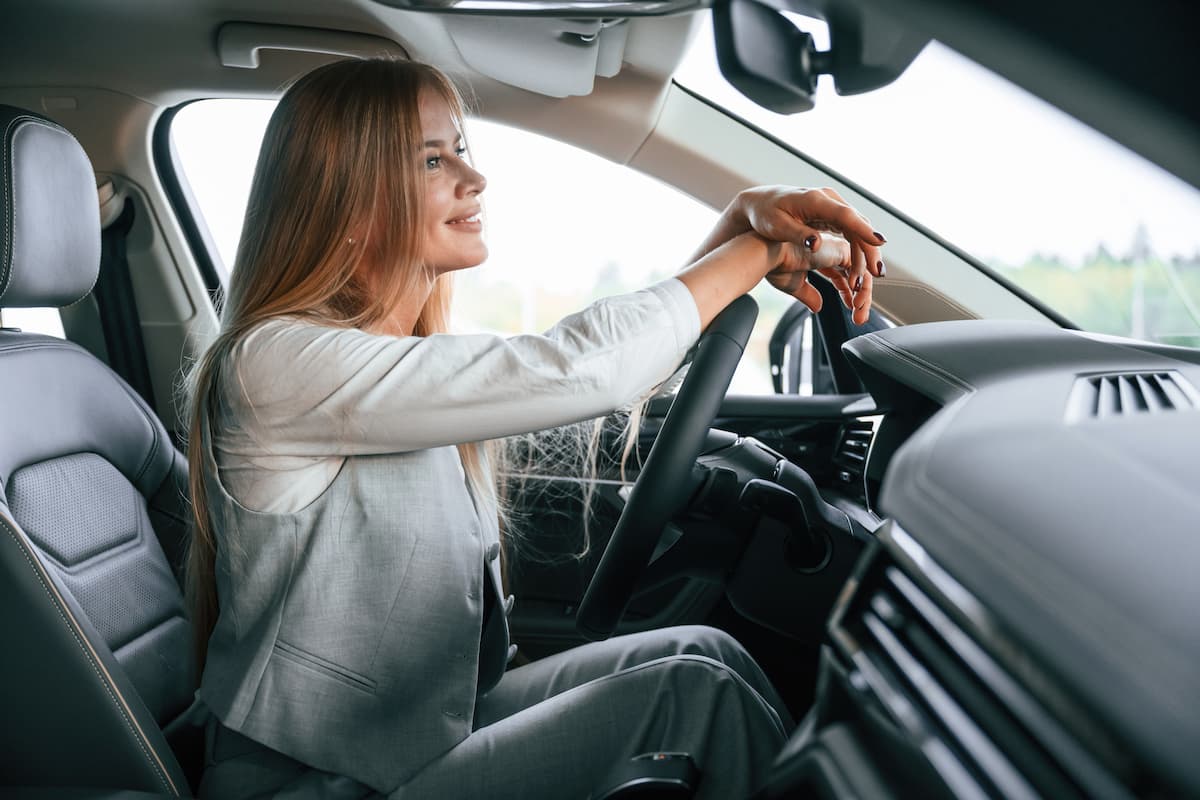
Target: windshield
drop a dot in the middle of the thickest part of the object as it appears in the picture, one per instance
(1104, 237)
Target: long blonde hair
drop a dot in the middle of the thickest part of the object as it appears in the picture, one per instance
(338, 184)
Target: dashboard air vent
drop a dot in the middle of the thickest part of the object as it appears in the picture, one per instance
(1130, 393)
(978, 725)
(850, 456)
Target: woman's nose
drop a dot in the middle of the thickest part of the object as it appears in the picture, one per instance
(471, 182)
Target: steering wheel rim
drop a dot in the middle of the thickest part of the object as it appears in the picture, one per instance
(664, 484)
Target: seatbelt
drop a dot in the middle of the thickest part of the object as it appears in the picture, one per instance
(118, 308)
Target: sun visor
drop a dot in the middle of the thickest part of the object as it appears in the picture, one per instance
(559, 57)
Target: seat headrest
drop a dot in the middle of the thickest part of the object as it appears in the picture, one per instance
(49, 218)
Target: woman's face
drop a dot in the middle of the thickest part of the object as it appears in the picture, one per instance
(454, 229)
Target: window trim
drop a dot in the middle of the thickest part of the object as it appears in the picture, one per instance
(199, 239)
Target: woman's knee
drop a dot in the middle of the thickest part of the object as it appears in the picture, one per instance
(713, 642)
(718, 645)
(705, 683)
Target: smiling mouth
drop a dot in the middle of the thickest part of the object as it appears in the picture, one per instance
(461, 220)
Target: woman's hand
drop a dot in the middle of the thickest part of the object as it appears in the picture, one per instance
(806, 218)
(834, 260)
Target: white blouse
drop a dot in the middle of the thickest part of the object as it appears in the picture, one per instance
(306, 396)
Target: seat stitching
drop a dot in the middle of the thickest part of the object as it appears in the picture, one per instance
(7, 205)
(72, 626)
(16, 347)
(153, 451)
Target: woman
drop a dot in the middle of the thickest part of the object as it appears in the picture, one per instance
(344, 574)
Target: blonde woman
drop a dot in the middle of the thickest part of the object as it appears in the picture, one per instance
(344, 576)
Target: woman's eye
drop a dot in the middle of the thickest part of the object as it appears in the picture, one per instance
(433, 162)
(460, 151)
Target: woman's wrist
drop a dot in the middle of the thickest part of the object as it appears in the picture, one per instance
(737, 213)
(729, 271)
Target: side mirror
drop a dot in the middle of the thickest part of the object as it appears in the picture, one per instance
(798, 354)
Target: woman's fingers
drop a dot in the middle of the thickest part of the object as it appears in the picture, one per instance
(784, 227)
(841, 281)
(827, 206)
(862, 300)
(870, 242)
(856, 300)
(787, 214)
(797, 285)
(835, 253)
(810, 296)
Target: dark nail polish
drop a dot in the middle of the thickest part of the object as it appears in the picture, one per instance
(858, 283)
(810, 241)
(882, 270)
(882, 239)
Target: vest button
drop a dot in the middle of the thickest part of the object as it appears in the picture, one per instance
(493, 552)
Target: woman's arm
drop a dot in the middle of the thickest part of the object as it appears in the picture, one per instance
(298, 389)
(311, 391)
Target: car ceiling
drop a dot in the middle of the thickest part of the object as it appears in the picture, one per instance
(150, 50)
(1124, 68)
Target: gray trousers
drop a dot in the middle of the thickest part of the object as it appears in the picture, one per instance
(554, 728)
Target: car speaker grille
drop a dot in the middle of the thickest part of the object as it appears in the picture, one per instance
(1129, 394)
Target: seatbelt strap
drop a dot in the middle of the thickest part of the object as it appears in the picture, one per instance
(118, 308)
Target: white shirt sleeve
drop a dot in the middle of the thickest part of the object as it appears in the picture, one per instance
(304, 390)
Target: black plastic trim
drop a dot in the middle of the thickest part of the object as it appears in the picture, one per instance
(182, 203)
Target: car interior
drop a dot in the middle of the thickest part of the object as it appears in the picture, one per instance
(960, 539)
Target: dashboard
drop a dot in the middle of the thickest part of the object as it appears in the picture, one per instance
(1026, 622)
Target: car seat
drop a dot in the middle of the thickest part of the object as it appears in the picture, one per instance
(96, 678)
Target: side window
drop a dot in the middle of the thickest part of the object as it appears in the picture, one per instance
(33, 320)
(564, 227)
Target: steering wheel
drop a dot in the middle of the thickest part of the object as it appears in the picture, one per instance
(665, 482)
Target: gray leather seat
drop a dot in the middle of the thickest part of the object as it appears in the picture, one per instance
(96, 676)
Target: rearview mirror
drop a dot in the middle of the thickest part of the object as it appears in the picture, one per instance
(769, 59)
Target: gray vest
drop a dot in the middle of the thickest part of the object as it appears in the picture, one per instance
(349, 635)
